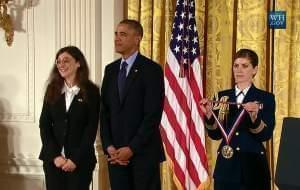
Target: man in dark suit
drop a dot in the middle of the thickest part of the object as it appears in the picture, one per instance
(131, 107)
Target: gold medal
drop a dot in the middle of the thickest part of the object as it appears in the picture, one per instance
(227, 152)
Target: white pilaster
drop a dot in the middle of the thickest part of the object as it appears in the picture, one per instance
(78, 24)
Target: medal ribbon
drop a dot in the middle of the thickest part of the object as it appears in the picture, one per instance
(232, 130)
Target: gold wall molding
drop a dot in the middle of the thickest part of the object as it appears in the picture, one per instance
(6, 22)
(21, 166)
(22, 182)
(27, 114)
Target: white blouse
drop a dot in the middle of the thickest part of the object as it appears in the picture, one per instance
(70, 94)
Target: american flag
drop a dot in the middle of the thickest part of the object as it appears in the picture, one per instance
(182, 126)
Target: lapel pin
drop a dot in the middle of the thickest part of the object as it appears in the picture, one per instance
(135, 70)
(79, 100)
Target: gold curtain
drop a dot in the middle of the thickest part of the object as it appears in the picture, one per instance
(287, 68)
(227, 30)
(218, 59)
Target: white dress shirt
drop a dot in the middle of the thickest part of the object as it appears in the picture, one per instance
(240, 94)
(69, 96)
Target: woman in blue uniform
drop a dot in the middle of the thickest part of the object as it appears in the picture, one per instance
(244, 122)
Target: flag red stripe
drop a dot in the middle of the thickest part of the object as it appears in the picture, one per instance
(182, 124)
(198, 144)
(170, 151)
(195, 88)
(180, 137)
(197, 95)
(183, 104)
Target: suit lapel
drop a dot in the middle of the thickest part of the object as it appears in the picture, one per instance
(250, 94)
(135, 69)
(232, 97)
(233, 109)
(76, 100)
(114, 82)
(60, 105)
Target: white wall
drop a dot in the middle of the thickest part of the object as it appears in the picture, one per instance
(42, 27)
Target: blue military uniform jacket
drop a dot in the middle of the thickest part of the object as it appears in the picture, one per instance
(248, 163)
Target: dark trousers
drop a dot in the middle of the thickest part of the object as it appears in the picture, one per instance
(135, 176)
(221, 185)
(79, 179)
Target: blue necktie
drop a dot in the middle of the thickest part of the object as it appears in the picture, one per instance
(122, 78)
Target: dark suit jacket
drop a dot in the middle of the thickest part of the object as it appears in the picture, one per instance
(75, 130)
(134, 120)
(249, 163)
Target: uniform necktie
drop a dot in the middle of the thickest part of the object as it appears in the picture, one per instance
(122, 78)
(240, 98)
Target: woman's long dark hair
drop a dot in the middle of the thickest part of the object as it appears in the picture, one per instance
(56, 82)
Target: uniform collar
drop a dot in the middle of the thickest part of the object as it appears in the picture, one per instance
(239, 91)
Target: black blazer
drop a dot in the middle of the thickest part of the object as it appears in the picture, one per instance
(134, 120)
(249, 162)
(75, 130)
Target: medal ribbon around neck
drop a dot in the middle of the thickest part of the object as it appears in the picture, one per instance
(232, 130)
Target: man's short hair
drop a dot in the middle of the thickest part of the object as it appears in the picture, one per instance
(134, 25)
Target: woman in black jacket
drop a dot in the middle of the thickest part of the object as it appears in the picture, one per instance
(69, 122)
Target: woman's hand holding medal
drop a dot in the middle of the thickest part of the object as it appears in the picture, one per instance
(252, 108)
(206, 107)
